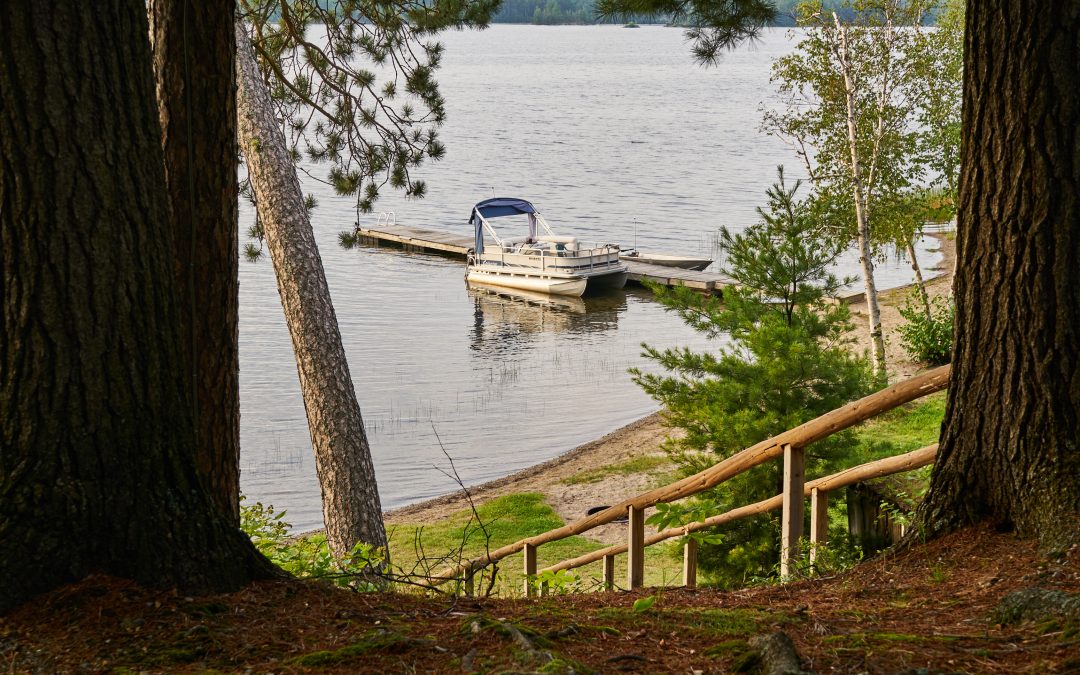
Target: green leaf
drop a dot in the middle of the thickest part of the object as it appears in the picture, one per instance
(644, 604)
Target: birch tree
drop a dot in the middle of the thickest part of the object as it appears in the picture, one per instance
(848, 106)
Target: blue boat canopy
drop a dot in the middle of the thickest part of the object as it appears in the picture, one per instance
(498, 207)
(503, 206)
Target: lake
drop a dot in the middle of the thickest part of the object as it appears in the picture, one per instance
(616, 136)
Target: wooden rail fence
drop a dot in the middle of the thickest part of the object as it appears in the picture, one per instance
(789, 444)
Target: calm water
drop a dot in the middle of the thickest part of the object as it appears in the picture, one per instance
(617, 137)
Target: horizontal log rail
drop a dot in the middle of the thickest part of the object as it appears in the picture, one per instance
(857, 474)
(799, 437)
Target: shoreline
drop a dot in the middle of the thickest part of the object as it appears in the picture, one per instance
(645, 435)
(640, 435)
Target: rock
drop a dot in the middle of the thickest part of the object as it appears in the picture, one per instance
(778, 655)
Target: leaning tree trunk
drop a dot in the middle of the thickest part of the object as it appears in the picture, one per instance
(97, 468)
(351, 508)
(920, 284)
(866, 261)
(194, 44)
(1010, 445)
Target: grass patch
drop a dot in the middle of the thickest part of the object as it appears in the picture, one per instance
(380, 641)
(508, 519)
(643, 464)
(725, 621)
(903, 429)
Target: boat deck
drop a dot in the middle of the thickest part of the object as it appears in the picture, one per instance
(438, 241)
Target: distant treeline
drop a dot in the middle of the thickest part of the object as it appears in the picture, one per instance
(550, 12)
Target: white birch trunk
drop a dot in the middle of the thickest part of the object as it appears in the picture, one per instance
(877, 340)
(351, 509)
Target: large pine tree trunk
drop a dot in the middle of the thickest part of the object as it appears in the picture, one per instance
(97, 445)
(194, 44)
(351, 509)
(1010, 445)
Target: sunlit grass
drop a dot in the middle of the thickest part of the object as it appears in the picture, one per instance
(643, 464)
(506, 520)
(909, 427)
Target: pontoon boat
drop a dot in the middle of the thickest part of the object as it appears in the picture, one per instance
(540, 261)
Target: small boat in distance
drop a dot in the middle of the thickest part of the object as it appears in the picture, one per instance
(680, 261)
(540, 261)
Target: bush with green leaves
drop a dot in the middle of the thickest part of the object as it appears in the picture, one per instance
(927, 338)
(784, 358)
(308, 557)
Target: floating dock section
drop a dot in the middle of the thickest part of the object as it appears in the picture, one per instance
(438, 241)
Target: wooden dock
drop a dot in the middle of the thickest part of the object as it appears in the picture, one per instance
(438, 241)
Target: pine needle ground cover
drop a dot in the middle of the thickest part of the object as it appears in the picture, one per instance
(934, 606)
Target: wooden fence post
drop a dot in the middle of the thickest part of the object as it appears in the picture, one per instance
(609, 572)
(792, 520)
(689, 563)
(530, 570)
(635, 549)
(819, 522)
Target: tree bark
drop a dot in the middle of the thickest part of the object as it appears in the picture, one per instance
(97, 445)
(351, 509)
(193, 49)
(873, 311)
(1010, 444)
(920, 285)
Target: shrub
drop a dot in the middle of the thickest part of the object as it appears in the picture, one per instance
(308, 557)
(927, 339)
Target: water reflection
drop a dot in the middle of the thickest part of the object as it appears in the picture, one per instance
(508, 320)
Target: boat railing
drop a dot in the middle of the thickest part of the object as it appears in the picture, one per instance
(552, 259)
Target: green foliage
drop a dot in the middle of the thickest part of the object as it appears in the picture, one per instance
(307, 557)
(841, 553)
(880, 55)
(712, 26)
(642, 605)
(546, 12)
(927, 338)
(354, 83)
(680, 514)
(787, 361)
(562, 582)
(941, 66)
(871, 104)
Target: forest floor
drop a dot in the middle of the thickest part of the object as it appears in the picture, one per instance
(933, 608)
